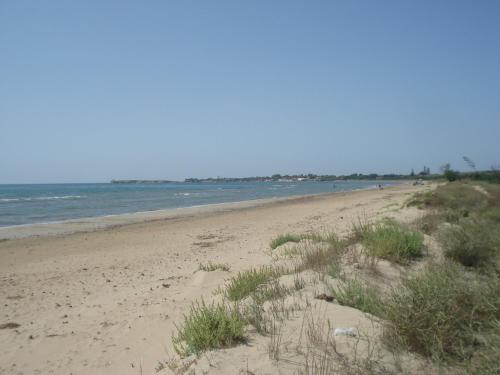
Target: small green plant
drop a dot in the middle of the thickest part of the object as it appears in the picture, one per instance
(390, 240)
(355, 294)
(209, 267)
(283, 239)
(208, 327)
(440, 312)
(247, 282)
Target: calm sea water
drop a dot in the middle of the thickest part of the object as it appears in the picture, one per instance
(28, 204)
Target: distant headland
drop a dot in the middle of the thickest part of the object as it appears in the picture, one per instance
(425, 174)
(141, 181)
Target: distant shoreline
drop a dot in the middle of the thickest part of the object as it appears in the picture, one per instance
(90, 224)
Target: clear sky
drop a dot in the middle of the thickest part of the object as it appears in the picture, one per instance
(95, 90)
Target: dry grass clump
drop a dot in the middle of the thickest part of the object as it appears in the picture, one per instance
(209, 267)
(208, 327)
(320, 255)
(441, 313)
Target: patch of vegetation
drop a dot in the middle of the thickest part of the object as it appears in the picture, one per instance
(390, 240)
(255, 313)
(208, 327)
(209, 267)
(452, 196)
(359, 229)
(247, 282)
(492, 214)
(442, 312)
(451, 175)
(472, 243)
(355, 294)
(334, 270)
(285, 238)
(296, 238)
(319, 256)
(270, 291)
(429, 222)
(298, 283)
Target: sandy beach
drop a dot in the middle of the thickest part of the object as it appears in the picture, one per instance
(106, 301)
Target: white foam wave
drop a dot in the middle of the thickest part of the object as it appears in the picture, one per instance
(27, 199)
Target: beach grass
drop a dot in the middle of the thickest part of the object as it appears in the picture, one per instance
(440, 312)
(283, 239)
(472, 242)
(208, 327)
(391, 241)
(356, 294)
(247, 282)
(296, 238)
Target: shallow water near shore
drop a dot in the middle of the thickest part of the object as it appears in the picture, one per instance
(43, 203)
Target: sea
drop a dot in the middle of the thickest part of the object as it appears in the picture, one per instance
(45, 203)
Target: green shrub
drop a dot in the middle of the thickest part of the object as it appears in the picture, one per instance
(438, 312)
(245, 283)
(472, 243)
(451, 175)
(355, 294)
(208, 327)
(389, 240)
(209, 267)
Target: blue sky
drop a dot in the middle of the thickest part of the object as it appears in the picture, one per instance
(95, 90)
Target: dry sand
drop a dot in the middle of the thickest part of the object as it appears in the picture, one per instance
(106, 301)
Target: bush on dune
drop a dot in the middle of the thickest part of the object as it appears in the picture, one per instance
(390, 240)
(439, 312)
(472, 243)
